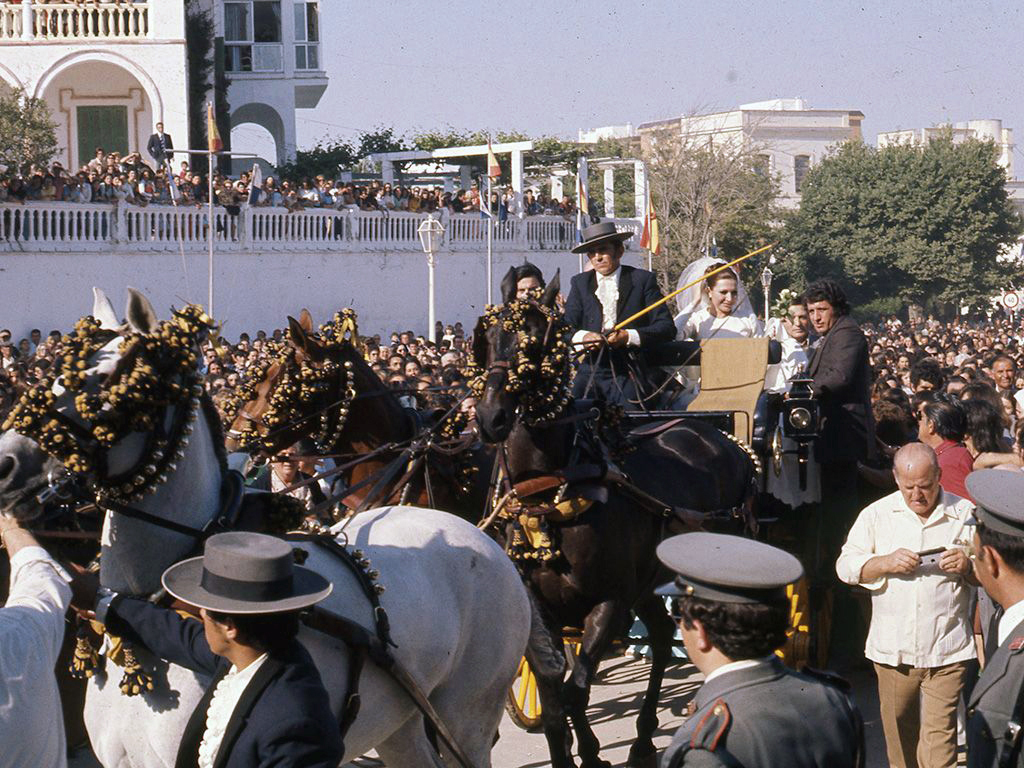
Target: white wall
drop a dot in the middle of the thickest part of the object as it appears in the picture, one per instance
(258, 290)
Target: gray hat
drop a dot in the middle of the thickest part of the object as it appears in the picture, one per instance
(728, 569)
(245, 573)
(999, 500)
(597, 234)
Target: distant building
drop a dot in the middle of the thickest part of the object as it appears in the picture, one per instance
(594, 135)
(790, 136)
(110, 71)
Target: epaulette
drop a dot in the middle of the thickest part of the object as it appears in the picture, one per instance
(712, 727)
(829, 678)
(1016, 645)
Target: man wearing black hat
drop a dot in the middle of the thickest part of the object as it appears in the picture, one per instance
(995, 710)
(598, 301)
(730, 600)
(266, 704)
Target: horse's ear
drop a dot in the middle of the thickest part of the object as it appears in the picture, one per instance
(304, 341)
(550, 294)
(480, 344)
(139, 313)
(103, 310)
(306, 320)
(508, 285)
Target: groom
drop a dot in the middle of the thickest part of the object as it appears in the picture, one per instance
(600, 299)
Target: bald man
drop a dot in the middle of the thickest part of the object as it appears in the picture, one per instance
(908, 550)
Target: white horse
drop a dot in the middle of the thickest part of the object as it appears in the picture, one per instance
(459, 614)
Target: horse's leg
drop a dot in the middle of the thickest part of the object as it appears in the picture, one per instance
(410, 746)
(599, 630)
(660, 629)
(545, 653)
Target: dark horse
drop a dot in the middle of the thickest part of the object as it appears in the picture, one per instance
(604, 562)
(351, 413)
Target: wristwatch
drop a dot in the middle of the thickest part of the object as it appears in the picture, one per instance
(104, 597)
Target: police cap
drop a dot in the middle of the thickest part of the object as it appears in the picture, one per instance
(728, 569)
(999, 500)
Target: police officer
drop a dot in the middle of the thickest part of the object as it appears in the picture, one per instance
(730, 601)
(995, 708)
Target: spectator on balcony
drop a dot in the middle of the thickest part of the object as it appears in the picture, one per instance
(145, 188)
(160, 145)
(99, 162)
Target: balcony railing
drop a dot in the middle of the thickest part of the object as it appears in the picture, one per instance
(85, 20)
(79, 227)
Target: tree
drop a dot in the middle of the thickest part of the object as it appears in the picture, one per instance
(704, 191)
(28, 134)
(202, 70)
(922, 225)
(330, 155)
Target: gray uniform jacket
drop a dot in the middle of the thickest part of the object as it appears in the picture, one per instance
(992, 702)
(769, 716)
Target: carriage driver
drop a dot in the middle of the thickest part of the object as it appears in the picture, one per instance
(266, 704)
(600, 299)
(729, 597)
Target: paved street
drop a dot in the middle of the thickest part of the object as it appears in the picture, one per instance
(616, 699)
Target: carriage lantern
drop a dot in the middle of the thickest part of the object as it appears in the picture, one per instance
(766, 283)
(430, 232)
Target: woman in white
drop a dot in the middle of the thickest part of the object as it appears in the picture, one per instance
(717, 307)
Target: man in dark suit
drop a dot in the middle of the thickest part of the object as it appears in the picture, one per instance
(841, 376)
(266, 704)
(729, 597)
(995, 707)
(600, 299)
(160, 145)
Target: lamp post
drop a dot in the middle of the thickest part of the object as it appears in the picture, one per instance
(766, 283)
(430, 232)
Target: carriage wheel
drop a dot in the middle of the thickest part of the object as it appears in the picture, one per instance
(522, 702)
(796, 650)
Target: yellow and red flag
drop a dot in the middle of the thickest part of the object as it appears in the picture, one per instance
(493, 169)
(650, 239)
(212, 134)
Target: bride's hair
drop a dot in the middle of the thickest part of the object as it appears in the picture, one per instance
(709, 282)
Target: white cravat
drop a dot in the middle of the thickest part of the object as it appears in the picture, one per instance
(608, 295)
(225, 698)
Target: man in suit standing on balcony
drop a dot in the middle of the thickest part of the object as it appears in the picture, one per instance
(160, 146)
(600, 299)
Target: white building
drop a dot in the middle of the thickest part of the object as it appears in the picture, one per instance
(789, 135)
(110, 71)
(984, 130)
(594, 135)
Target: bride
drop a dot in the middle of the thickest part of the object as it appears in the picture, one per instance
(715, 307)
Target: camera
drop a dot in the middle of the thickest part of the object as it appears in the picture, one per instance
(800, 412)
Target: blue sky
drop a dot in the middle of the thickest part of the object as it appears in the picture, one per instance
(553, 67)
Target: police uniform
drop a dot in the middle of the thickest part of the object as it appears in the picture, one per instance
(997, 699)
(756, 712)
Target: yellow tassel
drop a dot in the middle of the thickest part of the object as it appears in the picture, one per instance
(86, 659)
(135, 679)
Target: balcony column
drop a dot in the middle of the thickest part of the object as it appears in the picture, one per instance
(609, 193)
(387, 172)
(640, 189)
(27, 31)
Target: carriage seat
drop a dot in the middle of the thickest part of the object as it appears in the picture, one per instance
(732, 375)
(672, 354)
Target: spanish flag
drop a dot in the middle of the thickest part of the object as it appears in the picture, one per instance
(493, 169)
(212, 134)
(650, 239)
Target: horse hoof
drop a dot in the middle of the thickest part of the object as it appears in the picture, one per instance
(647, 760)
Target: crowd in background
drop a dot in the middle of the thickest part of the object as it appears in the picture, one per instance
(113, 178)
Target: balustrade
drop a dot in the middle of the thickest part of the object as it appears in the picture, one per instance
(104, 227)
(84, 20)
(10, 21)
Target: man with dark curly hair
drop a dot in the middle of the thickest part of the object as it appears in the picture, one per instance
(729, 597)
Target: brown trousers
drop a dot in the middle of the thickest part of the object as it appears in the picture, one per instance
(918, 707)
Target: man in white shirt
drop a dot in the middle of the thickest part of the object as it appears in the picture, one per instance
(31, 630)
(908, 550)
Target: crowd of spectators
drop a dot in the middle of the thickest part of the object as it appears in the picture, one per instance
(112, 178)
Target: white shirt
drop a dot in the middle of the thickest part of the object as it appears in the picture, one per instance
(225, 698)
(703, 325)
(1008, 622)
(920, 619)
(31, 631)
(608, 296)
(736, 666)
(794, 358)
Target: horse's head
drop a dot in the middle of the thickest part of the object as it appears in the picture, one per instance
(522, 351)
(101, 410)
(304, 391)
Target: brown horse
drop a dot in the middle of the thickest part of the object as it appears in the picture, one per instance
(352, 413)
(599, 564)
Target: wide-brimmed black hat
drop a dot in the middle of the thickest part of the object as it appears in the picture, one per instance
(245, 573)
(602, 232)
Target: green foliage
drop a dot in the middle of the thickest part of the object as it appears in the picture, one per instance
(922, 225)
(328, 156)
(28, 134)
(202, 69)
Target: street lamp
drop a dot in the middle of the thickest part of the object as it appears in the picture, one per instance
(430, 232)
(766, 283)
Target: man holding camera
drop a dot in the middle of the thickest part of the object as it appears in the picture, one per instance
(907, 550)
